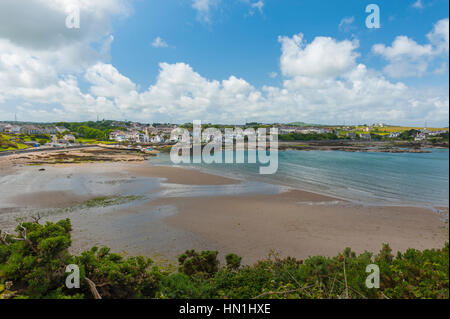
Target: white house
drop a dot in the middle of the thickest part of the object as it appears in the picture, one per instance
(31, 129)
(420, 137)
(69, 138)
(157, 139)
(365, 136)
(351, 135)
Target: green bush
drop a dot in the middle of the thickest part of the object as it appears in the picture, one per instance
(33, 263)
(233, 261)
(192, 262)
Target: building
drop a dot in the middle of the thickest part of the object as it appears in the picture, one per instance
(14, 129)
(157, 139)
(395, 134)
(165, 130)
(133, 136)
(118, 136)
(436, 133)
(351, 135)
(51, 130)
(420, 137)
(365, 136)
(69, 138)
(60, 129)
(31, 130)
(142, 138)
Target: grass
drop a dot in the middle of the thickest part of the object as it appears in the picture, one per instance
(393, 129)
(93, 141)
(105, 201)
(8, 144)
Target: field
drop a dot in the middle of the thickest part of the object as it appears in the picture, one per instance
(93, 141)
(7, 144)
(394, 129)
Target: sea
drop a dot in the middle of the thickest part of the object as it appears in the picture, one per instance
(371, 178)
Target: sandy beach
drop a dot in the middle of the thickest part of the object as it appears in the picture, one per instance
(174, 209)
(305, 226)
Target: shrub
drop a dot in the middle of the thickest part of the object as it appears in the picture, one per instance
(192, 262)
(233, 261)
(33, 263)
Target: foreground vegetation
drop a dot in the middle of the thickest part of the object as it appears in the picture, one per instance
(33, 263)
(8, 144)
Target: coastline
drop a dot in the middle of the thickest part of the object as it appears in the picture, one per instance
(185, 208)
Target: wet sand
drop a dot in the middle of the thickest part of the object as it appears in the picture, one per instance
(304, 225)
(48, 199)
(179, 175)
(173, 217)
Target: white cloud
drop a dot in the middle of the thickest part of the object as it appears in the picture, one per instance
(40, 24)
(259, 5)
(418, 4)
(408, 58)
(107, 81)
(40, 58)
(439, 36)
(204, 8)
(358, 94)
(324, 57)
(345, 24)
(159, 43)
(322, 80)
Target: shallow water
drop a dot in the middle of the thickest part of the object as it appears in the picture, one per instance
(373, 178)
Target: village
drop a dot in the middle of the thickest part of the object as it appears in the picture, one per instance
(18, 136)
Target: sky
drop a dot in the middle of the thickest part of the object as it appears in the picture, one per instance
(225, 61)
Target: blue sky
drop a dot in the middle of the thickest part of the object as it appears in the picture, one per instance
(225, 61)
(235, 42)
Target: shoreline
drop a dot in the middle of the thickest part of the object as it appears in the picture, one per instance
(187, 208)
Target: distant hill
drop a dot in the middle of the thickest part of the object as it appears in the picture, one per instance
(304, 124)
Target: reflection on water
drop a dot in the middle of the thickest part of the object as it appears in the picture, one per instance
(244, 188)
(378, 178)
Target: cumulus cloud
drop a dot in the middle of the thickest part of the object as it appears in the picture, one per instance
(40, 58)
(408, 58)
(322, 80)
(358, 94)
(39, 24)
(439, 36)
(106, 81)
(324, 57)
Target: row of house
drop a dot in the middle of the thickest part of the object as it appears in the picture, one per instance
(30, 129)
(363, 136)
(285, 129)
(424, 134)
(144, 134)
(129, 136)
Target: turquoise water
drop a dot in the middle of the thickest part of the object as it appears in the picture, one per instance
(371, 178)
